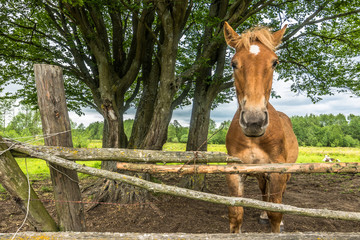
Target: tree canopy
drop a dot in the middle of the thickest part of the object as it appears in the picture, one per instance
(121, 53)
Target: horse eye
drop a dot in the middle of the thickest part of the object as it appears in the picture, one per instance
(275, 63)
(234, 65)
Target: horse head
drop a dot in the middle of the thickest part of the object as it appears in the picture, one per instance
(253, 64)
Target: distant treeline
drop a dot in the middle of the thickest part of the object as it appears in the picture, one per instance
(326, 130)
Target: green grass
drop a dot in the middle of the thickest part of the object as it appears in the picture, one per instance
(316, 154)
(38, 169)
(182, 147)
(306, 154)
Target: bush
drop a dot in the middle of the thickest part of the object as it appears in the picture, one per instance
(184, 138)
(80, 140)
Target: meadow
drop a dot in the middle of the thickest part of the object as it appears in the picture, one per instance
(38, 169)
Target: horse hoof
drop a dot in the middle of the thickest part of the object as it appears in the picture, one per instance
(264, 221)
(282, 227)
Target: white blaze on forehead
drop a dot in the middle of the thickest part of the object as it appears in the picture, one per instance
(254, 49)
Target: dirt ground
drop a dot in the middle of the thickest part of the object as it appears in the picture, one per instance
(174, 214)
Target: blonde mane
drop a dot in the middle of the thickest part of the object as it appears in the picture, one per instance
(261, 34)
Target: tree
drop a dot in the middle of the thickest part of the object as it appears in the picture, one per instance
(5, 110)
(26, 123)
(95, 130)
(326, 130)
(320, 42)
(116, 54)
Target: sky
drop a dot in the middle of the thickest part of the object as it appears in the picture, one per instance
(290, 103)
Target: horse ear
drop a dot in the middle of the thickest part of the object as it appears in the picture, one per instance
(230, 35)
(278, 35)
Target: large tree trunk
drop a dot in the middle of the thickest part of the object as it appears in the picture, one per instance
(200, 118)
(107, 190)
(199, 127)
(113, 191)
(173, 18)
(56, 127)
(145, 109)
(206, 90)
(157, 133)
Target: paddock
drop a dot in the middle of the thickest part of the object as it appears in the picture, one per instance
(16, 184)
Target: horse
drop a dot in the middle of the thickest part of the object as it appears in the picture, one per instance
(258, 134)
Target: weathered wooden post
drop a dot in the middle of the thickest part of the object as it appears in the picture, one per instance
(57, 130)
(16, 184)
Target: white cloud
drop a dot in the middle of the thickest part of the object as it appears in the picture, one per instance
(289, 103)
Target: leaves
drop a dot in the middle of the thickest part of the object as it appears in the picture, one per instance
(319, 54)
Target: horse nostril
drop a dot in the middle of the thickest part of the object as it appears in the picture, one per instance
(266, 120)
(242, 119)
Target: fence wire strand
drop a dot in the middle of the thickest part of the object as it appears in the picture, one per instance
(28, 202)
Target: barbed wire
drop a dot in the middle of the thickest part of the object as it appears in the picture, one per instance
(34, 139)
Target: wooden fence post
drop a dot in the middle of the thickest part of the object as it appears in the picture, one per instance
(57, 130)
(15, 183)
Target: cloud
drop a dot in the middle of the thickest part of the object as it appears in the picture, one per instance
(290, 103)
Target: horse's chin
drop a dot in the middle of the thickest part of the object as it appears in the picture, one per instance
(254, 133)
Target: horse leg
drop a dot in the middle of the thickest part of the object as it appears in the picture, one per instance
(235, 184)
(277, 185)
(265, 197)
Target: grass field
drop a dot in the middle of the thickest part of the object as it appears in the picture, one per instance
(39, 170)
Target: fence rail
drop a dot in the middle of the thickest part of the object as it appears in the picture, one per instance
(182, 192)
(244, 168)
(123, 155)
(129, 157)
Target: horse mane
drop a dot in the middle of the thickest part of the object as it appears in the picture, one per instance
(261, 34)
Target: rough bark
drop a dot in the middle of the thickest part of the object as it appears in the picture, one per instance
(245, 168)
(56, 127)
(205, 92)
(173, 18)
(117, 68)
(123, 155)
(16, 184)
(182, 192)
(145, 110)
(200, 118)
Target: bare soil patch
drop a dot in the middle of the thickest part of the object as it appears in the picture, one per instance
(166, 214)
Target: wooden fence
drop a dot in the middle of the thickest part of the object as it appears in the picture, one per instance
(61, 157)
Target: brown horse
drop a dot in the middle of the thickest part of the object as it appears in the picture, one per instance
(258, 133)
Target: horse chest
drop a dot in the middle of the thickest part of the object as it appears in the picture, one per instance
(254, 155)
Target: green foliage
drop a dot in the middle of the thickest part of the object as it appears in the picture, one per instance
(177, 133)
(327, 130)
(80, 137)
(95, 130)
(218, 135)
(318, 53)
(128, 124)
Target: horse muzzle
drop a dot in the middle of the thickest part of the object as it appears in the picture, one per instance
(254, 123)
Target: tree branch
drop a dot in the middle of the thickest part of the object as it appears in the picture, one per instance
(334, 16)
(304, 23)
(133, 95)
(182, 96)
